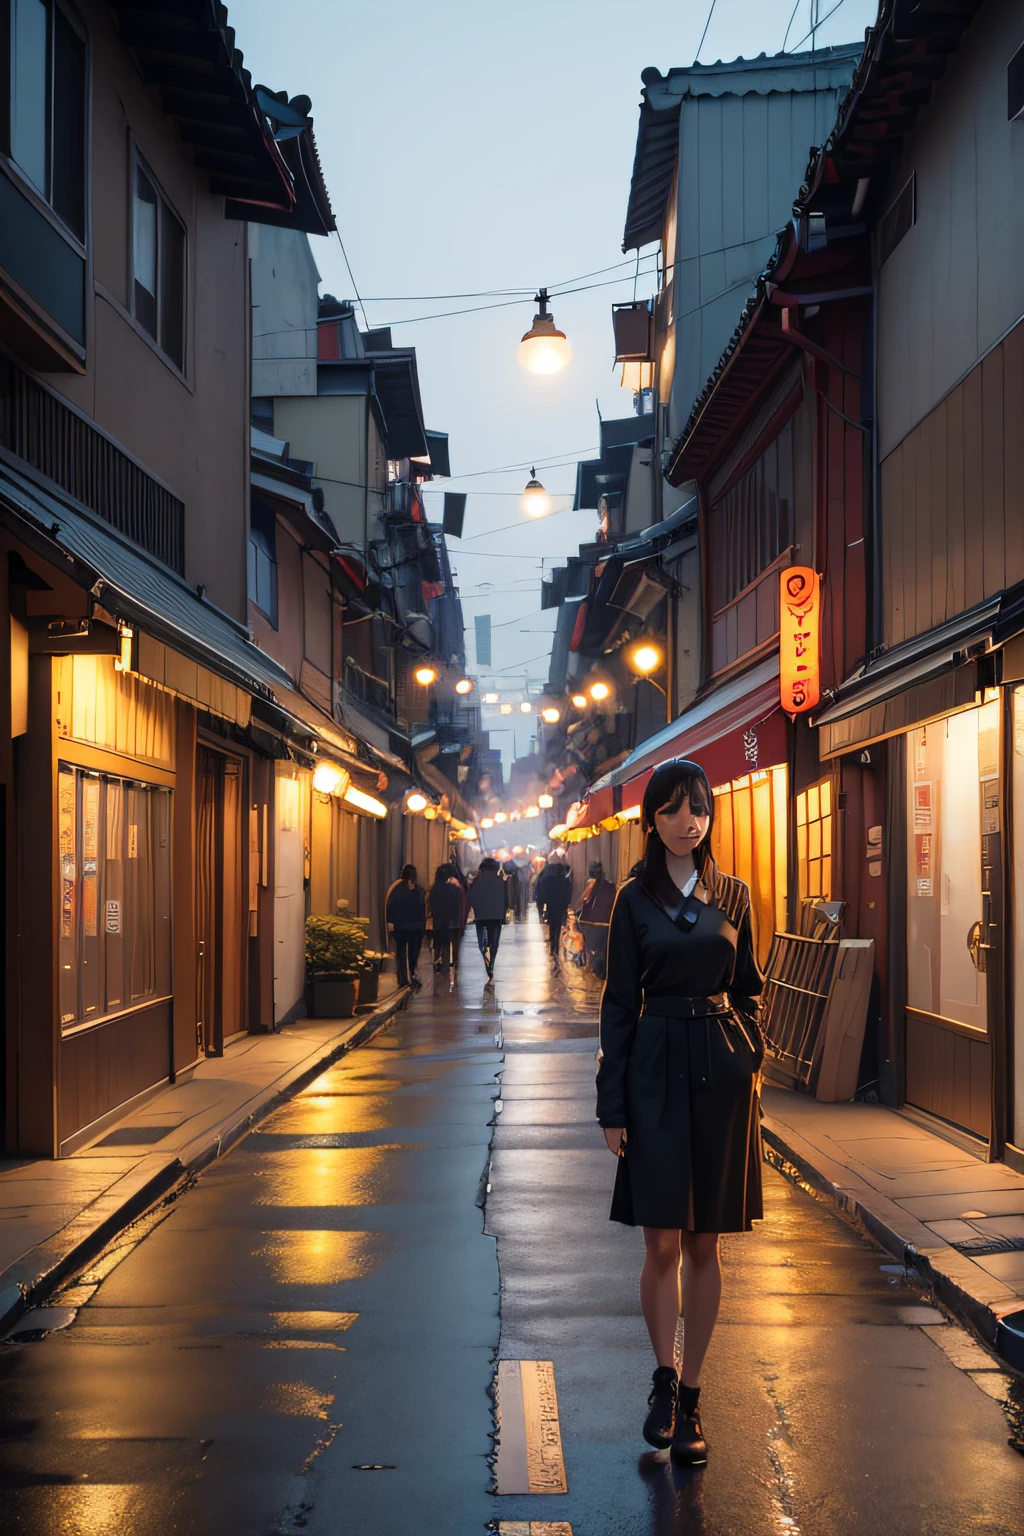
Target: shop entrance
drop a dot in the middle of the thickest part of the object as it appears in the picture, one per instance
(954, 921)
(220, 901)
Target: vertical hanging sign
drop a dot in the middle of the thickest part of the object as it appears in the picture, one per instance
(799, 639)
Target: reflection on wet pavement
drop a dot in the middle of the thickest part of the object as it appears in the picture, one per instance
(305, 1341)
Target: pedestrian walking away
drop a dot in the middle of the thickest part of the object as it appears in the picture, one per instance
(445, 903)
(595, 913)
(405, 909)
(553, 895)
(488, 902)
(677, 1084)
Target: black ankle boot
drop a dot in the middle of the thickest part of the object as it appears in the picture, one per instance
(660, 1424)
(689, 1448)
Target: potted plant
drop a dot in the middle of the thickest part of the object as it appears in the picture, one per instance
(369, 976)
(334, 952)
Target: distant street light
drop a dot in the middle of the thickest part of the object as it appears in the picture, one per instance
(545, 802)
(416, 801)
(551, 715)
(535, 500)
(579, 701)
(531, 810)
(491, 698)
(500, 816)
(487, 822)
(425, 676)
(544, 348)
(526, 708)
(464, 685)
(599, 692)
(506, 709)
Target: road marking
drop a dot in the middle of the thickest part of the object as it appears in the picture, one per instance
(529, 1438)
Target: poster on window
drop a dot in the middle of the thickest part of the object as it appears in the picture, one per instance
(923, 806)
(923, 862)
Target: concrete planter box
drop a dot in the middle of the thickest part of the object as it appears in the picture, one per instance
(332, 996)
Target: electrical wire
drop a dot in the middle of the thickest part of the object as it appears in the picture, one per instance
(792, 18)
(817, 25)
(704, 34)
(351, 279)
(479, 309)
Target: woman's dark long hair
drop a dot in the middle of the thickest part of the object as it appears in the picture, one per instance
(669, 785)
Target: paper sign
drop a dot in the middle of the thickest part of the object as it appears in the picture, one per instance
(113, 923)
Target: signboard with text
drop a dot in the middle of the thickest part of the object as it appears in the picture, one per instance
(799, 639)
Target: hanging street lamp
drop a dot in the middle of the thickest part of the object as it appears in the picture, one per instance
(425, 675)
(464, 686)
(535, 500)
(544, 348)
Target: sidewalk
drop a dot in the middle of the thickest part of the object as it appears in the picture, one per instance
(54, 1215)
(937, 1208)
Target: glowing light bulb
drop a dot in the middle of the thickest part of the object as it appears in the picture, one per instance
(599, 691)
(579, 701)
(535, 500)
(544, 348)
(425, 676)
(464, 685)
(645, 659)
(416, 802)
(545, 802)
(551, 715)
(500, 817)
(526, 708)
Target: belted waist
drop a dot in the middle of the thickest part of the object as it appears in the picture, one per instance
(673, 1006)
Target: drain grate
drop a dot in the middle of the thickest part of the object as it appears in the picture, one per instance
(136, 1135)
(982, 1245)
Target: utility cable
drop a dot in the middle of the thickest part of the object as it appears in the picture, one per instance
(792, 18)
(704, 34)
(351, 279)
(817, 25)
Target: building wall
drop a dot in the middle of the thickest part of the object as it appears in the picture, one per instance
(285, 285)
(741, 159)
(128, 388)
(955, 283)
(292, 793)
(332, 431)
(952, 498)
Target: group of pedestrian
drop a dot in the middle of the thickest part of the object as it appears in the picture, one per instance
(444, 910)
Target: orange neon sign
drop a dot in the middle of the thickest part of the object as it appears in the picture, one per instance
(799, 639)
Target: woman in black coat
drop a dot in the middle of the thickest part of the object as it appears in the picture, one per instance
(405, 909)
(488, 902)
(446, 901)
(677, 1083)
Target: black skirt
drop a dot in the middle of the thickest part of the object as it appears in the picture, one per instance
(693, 1133)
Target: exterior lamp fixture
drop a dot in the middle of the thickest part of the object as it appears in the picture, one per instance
(491, 698)
(425, 676)
(468, 834)
(545, 802)
(634, 344)
(532, 810)
(500, 817)
(361, 801)
(506, 709)
(579, 701)
(525, 707)
(416, 801)
(637, 376)
(544, 348)
(599, 692)
(430, 814)
(514, 816)
(487, 823)
(551, 715)
(645, 659)
(328, 778)
(123, 661)
(464, 686)
(535, 500)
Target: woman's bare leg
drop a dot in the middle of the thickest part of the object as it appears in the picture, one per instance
(702, 1292)
(659, 1290)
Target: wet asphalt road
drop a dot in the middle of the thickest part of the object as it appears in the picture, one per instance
(305, 1340)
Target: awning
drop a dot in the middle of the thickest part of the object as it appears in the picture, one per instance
(735, 730)
(920, 679)
(136, 588)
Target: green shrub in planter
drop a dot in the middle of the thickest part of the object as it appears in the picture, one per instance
(334, 945)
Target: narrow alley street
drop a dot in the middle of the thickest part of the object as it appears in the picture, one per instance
(306, 1338)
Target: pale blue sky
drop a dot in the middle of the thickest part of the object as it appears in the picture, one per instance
(477, 146)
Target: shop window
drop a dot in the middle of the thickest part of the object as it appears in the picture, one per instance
(262, 570)
(814, 842)
(114, 840)
(952, 800)
(42, 103)
(158, 266)
(749, 840)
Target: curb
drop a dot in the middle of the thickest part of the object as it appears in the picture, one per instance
(952, 1290)
(16, 1297)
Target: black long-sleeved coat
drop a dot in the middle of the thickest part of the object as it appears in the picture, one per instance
(650, 955)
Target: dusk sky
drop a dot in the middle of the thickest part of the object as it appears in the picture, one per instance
(472, 147)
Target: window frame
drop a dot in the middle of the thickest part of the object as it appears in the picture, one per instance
(259, 541)
(9, 166)
(102, 776)
(165, 209)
